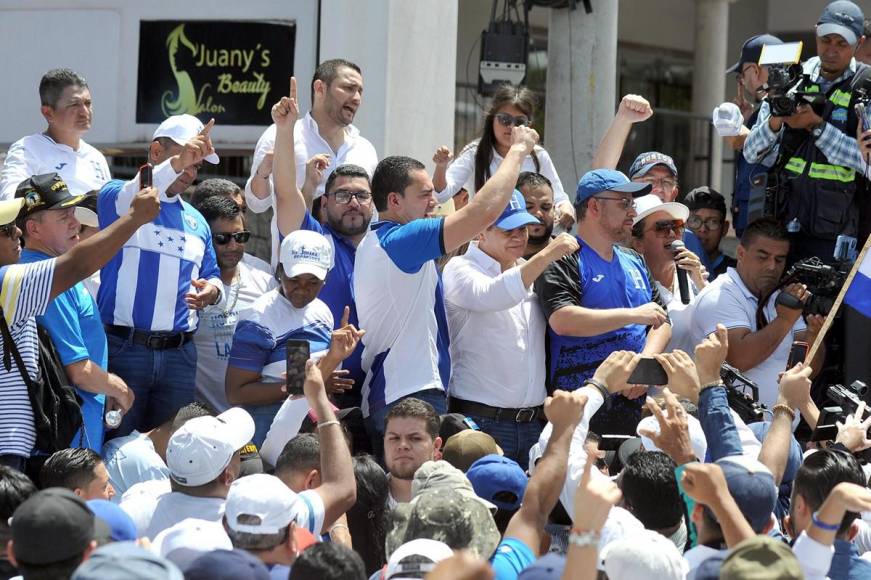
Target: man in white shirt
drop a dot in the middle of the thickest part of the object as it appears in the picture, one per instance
(242, 286)
(759, 343)
(337, 91)
(497, 330)
(66, 107)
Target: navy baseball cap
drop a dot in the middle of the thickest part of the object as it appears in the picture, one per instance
(499, 480)
(844, 18)
(515, 215)
(647, 161)
(751, 484)
(598, 180)
(226, 565)
(752, 50)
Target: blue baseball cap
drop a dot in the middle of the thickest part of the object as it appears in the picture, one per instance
(598, 180)
(647, 161)
(548, 567)
(751, 484)
(499, 480)
(226, 565)
(752, 50)
(844, 18)
(121, 526)
(515, 214)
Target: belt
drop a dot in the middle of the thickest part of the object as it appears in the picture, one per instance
(152, 340)
(524, 415)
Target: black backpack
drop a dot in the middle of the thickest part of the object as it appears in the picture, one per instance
(57, 411)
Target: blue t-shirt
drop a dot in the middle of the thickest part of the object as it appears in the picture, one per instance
(510, 558)
(74, 324)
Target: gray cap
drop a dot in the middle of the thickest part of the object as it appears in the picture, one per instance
(125, 560)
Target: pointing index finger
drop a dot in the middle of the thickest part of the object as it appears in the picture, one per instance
(293, 88)
(208, 127)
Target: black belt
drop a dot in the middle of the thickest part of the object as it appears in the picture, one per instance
(525, 415)
(152, 340)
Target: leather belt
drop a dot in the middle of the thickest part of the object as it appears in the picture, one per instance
(524, 415)
(152, 340)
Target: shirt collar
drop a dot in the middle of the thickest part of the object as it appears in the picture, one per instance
(310, 124)
(484, 260)
(813, 66)
(736, 278)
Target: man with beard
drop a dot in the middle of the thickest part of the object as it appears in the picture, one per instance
(602, 298)
(346, 208)
(538, 194)
(243, 284)
(326, 131)
(411, 438)
(758, 348)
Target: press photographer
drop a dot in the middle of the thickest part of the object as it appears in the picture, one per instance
(809, 142)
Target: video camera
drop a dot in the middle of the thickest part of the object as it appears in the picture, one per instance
(847, 400)
(786, 79)
(823, 281)
(746, 405)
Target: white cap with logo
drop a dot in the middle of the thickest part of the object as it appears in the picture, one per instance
(202, 448)
(259, 504)
(181, 129)
(306, 252)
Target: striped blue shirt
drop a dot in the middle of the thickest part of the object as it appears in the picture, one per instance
(144, 285)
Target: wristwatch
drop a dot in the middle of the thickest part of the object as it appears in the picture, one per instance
(818, 130)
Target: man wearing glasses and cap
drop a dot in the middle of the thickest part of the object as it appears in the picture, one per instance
(27, 289)
(602, 298)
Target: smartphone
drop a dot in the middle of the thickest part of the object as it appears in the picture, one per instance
(797, 354)
(297, 355)
(648, 372)
(613, 442)
(863, 116)
(145, 175)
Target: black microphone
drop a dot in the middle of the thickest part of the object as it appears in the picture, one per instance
(682, 281)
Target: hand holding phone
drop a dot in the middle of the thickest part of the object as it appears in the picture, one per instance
(648, 372)
(797, 354)
(297, 355)
(146, 175)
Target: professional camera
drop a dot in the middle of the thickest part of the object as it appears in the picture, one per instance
(745, 404)
(847, 400)
(786, 79)
(823, 281)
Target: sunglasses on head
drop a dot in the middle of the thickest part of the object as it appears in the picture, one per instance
(224, 239)
(507, 120)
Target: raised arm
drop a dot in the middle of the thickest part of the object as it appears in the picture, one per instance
(706, 484)
(289, 203)
(795, 386)
(632, 109)
(488, 203)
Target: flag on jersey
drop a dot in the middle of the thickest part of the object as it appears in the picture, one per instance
(859, 293)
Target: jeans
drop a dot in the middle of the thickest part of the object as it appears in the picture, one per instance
(515, 439)
(162, 380)
(375, 421)
(263, 416)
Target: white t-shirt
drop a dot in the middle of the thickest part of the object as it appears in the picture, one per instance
(728, 301)
(131, 460)
(83, 170)
(214, 335)
(680, 315)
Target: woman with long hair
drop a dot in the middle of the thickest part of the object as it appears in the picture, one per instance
(367, 519)
(511, 106)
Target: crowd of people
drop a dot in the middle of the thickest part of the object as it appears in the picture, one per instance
(526, 386)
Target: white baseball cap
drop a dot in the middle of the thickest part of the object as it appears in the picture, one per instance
(189, 539)
(433, 550)
(202, 448)
(650, 203)
(306, 252)
(259, 504)
(644, 553)
(181, 129)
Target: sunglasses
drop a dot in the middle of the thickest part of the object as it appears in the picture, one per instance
(712, 223)
(623, 203)
(662, 227)
(224, 239)
(8, 230)
(343, 196)
(507, 120)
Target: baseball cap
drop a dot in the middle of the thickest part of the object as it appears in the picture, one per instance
(50, 526)
(644, 554)
(125, 560)
(599, 180)
(259, 504)
(441, 475)
(499, 480)
(751, 50)
(250, 461)
(202, 448)
(697, 434)
(548, 567)
(705, 197)
(452, 423)
(181, 129)
(466, 447)
(189, 539)
(650, 203)
(844, 18)
(761, 557)
(619, 524)
(46, 191)
(444, 515)
(86, 211)
(515, 215)
(9, 210)
(119, 526)
(227, 565)
(306, 252)
(751, 484)
(416, 550)
(647, 161)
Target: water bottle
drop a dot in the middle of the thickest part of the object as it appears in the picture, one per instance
(794, 226)
(113, 418)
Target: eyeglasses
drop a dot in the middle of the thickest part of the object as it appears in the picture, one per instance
(624, 203)
(662, 182)
(662, 227)
(8, 230)
(224, 239)
(343, 196)
(507, 120)
(713, 224)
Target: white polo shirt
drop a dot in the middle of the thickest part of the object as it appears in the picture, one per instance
(728, 301)
(401, 306)
(83, 169)
(497, 333)
(307, 142)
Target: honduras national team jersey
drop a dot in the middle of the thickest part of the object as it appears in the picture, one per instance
(400, 304)
(265, 327)
(144, 285)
